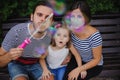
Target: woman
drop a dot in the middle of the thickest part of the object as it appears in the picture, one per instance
(88, 42)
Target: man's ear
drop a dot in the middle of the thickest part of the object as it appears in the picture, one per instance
(31, 17)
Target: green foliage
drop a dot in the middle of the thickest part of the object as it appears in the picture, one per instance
(6, 8)
(16, 8)
(23, 8)
(104, 6)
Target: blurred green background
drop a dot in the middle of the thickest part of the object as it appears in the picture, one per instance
(11, 9)
(23, 8)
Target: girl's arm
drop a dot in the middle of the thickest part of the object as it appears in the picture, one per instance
(46, 73)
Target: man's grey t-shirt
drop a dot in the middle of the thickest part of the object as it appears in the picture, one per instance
(19, 33)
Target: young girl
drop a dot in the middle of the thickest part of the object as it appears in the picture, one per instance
(58, 53)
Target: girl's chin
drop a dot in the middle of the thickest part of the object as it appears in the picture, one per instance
(60, 46)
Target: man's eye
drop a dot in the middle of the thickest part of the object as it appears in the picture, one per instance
(39, 14)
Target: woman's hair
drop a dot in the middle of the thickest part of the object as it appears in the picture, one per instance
(63, 26)
(83, 6)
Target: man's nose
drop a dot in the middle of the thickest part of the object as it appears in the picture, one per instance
(43, 18)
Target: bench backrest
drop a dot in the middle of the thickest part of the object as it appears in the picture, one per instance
(109, 26)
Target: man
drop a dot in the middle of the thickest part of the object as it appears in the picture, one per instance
(22, 62)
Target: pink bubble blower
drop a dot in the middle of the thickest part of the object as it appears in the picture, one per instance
(28, 40)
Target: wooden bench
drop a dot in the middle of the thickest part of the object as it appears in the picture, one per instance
(109, 26)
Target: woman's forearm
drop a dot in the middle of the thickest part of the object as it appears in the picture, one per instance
(89, 65)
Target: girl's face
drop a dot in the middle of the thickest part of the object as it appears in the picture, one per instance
(61, 37)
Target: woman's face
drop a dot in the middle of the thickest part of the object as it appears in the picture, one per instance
(77, 20)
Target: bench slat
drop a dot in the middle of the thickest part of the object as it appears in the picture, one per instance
(108, 29)
(111, 43)
(104, 21)
(111, 50)
(111, 36)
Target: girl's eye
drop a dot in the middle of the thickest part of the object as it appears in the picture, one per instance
(65, 36)
(58, 34)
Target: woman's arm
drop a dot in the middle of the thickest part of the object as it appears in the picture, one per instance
(97, 54)
(75, 72)
(76, 54)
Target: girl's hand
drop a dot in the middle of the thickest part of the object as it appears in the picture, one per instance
(46, 74)
(83, 74)
(66, 60)
(73, 75)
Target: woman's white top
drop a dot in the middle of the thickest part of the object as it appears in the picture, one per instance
(56, 57)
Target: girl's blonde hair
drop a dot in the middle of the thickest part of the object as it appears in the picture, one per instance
(63, 26)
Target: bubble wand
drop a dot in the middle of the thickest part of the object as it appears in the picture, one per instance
(27, 40)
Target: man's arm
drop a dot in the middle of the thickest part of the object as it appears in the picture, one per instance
(4, 58)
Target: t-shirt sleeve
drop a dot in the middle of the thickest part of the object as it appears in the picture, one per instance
(10, 39)
(96, 40)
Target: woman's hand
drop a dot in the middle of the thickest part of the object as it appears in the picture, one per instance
(73, 75)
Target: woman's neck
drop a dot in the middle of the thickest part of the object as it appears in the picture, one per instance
(84, 33)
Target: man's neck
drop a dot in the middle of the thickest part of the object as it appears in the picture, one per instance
(37, 34)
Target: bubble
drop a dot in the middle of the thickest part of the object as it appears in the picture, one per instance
(59, 7)
(74, 22)
(38, 51)
(52, 30)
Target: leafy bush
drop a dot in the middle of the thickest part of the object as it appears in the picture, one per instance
(22, 8)
(104, 6)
